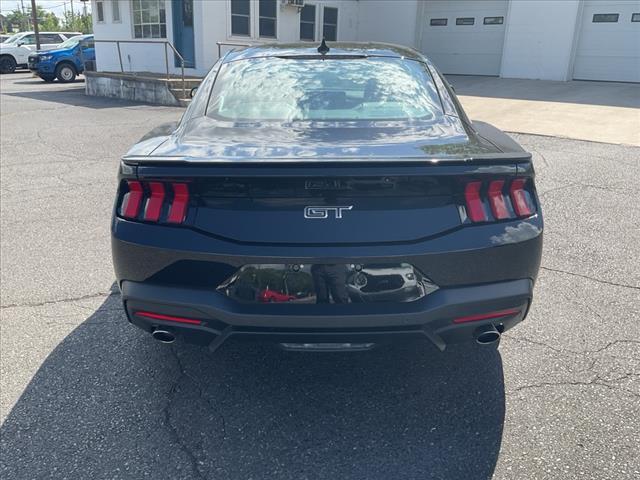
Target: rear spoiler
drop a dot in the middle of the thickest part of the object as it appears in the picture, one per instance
(494, 157)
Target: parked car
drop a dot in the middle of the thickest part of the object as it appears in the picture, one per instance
(15, 51)
(269, 296)
(345, 158)
(65, 62)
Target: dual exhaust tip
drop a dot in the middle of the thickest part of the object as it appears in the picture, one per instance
(487, 335)
(163, 336)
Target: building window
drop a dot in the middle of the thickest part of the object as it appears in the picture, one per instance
(308, 23)
(330, 24)
(100, 11)
(115, 10)
(438, 22)
(605, 17)
(635, 17)
(267, 18)
(493, 20)
(240, 13)
(149, 19)
(465, 21)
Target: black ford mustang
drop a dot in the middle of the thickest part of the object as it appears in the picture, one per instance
(329, 198)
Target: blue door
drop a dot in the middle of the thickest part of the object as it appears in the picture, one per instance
(183, 31)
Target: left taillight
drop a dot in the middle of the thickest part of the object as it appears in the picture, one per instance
(154, 201)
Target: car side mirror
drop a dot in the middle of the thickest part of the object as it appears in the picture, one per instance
(193, 91)
(20, 44)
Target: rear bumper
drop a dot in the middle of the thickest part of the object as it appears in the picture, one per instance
(429, 318)
(175, 271)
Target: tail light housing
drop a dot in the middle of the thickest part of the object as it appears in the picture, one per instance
(498, 199)
(155, 201)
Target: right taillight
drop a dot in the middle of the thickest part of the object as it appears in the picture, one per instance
(155, 201)
(500, 198)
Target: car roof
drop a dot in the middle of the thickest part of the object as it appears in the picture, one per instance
(336, 49)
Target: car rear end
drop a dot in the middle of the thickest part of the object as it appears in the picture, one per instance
(356, 244)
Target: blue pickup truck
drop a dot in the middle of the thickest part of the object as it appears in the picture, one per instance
(64, 62)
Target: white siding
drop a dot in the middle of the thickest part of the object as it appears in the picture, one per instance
(609, 51)
(391, 21)
(465, 49)
(539, 39)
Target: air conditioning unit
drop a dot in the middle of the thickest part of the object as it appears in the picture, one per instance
(294, 3)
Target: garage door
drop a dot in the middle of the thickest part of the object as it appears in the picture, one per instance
(609, 42)
(465, 36)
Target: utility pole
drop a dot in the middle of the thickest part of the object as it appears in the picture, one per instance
(34, 18)
(72, 10)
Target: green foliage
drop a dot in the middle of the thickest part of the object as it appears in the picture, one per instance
(48, 21)
(16, 20)
(77, 23)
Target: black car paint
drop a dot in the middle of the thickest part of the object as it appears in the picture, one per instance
(177, 269)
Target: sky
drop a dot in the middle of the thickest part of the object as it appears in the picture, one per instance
(55, 6)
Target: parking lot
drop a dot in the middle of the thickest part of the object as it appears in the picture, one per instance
(85, 395)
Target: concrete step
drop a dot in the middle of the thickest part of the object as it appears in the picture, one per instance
(180, 94)
(189, 83)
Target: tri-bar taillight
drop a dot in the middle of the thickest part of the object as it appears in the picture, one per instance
(155, 201)
(498, 199)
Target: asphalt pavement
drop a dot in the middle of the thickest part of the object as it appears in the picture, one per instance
(85, 395)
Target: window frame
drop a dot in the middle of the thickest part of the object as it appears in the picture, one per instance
(162, 5)
(315, 23)
(635, 17)
(250, 19)
(605, 15)
(275, 20)
(100, 11)
(462, 21)
(115, 7)
(501, 22)
(337, 9)
(438, 22)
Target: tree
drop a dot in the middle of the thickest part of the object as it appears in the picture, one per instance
(77, 22)
(16, 20)
(47, 21)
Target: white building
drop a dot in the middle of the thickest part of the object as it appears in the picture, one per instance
(540, 39)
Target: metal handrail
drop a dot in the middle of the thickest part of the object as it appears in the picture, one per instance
(166, 56)
(230, 44)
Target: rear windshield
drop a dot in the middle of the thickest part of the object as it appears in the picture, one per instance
(286, 89)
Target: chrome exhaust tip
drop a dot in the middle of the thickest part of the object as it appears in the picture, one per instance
(163, 336)
(487, 335)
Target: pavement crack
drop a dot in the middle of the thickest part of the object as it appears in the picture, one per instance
(167, 415)
(598, 280)
(62, 300)
(596, 381)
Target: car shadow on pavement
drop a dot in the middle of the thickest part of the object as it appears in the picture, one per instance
(75, 95)
(110, 402)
